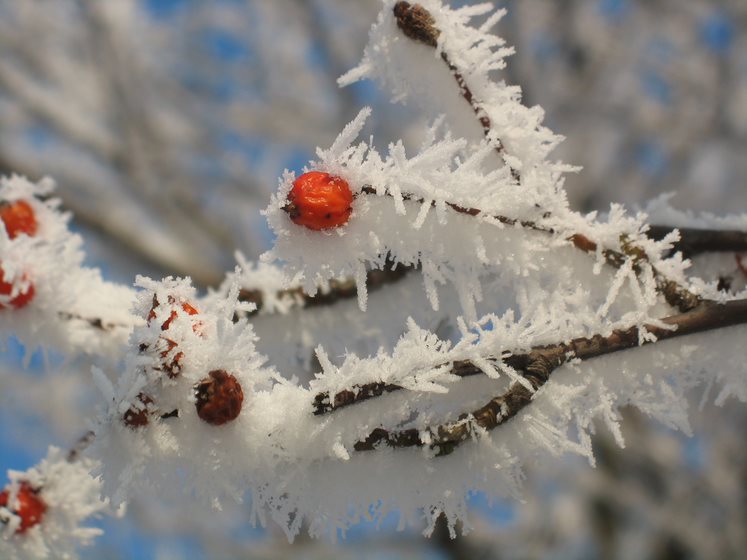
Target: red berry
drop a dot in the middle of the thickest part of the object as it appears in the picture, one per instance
(174, 367)
(319, 201)
(28, 506)
(18, 218)
(22, 298)
(137, 415)
(219, 398)
(185, 306)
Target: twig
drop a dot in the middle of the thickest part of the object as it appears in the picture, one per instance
(418, 24)
(80, 446)
(696, 241)
(338, 289)
(527, 224)
(95, 322)
(675, 295)
(360, 393)
(537, 366)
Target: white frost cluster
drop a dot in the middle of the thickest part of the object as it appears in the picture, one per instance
(179, 451)
(67, 296)
(71, 495)
(414, 72)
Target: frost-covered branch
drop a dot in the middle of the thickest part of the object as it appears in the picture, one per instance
(336, 290)
(58, 303)
(675, 294)
(536, 368)
(690, 242)
(418, 24)
(522, 297)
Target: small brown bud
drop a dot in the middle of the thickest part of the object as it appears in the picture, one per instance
(584, 243)
(137, 415)
(417, 23)
(219, 398)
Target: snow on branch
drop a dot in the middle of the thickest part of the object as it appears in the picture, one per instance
(58, 304)
(192, 405)
(536, 368)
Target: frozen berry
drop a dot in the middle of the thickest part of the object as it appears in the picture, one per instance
(22, 298)
(219, 398)
(18, 218)
(167, 323)
(174, 367)
(28, 506)
(137, 415)
(319, 201)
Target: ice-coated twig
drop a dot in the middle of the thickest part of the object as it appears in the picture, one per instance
(80, 446)
(337, 290)
(360, 393)
(536, 367)
(96, 322)
(675, 295)
(325, 403)
(692, 242)
(418, 24)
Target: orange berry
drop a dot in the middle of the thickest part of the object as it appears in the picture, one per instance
(167, 323)
(18, 218)
(22, 299)
(319, 201)
(218, 398)
(29, 506)
(174, 367)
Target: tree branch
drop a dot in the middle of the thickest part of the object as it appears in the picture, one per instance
(696, 241)
(537, 366)
(418, 24)
(80, 446)
(359, 393)
(95, 322)
(675, 295)
(338, 289)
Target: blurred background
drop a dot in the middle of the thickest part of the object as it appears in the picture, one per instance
(167, 122)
